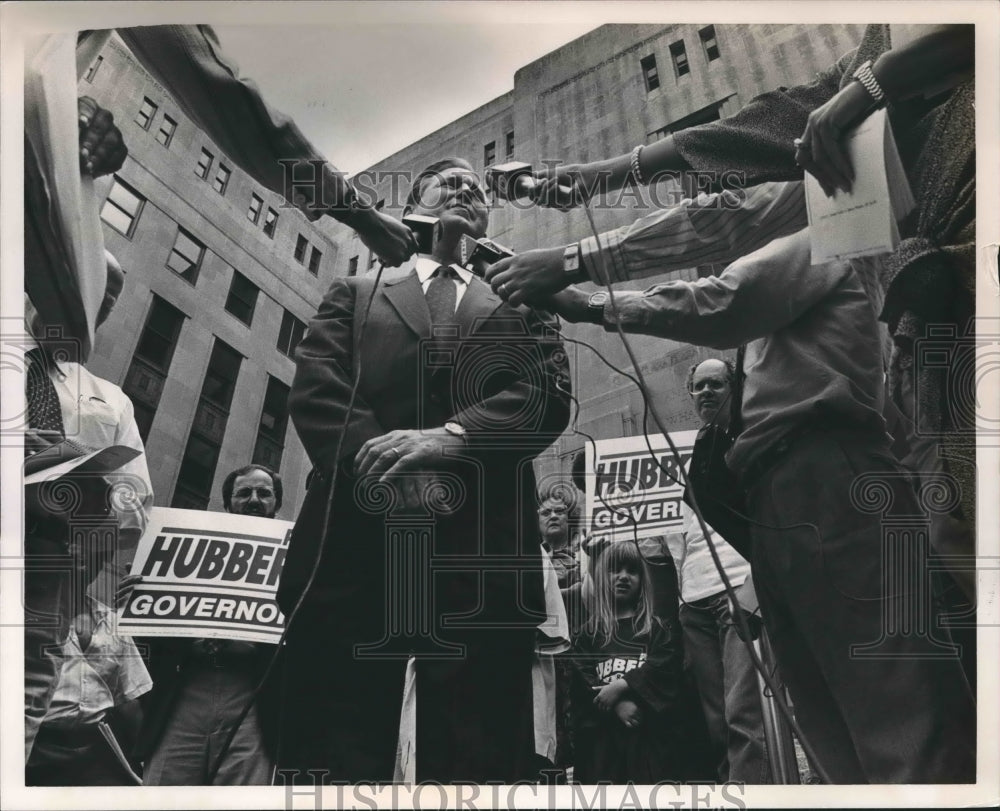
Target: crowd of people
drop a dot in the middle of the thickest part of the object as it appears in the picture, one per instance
(505, 643)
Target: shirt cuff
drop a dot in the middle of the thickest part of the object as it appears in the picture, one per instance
(610, 247)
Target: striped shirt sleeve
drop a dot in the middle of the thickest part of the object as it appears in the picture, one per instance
(711, 228)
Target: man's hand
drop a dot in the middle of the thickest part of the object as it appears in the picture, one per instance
(610, 694)
(125, 588)
(385, 236)
(396, 452)
(102, 149)
(820, 151)
(628, 713)
(530, 277)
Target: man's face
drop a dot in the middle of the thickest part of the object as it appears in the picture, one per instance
(253, 494)
(456, 197)
(553, 521)
(710, 390)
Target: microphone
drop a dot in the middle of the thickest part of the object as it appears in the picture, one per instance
(427, 230)
(515, 181)
(479, 254)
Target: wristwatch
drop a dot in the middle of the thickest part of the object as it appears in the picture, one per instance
(455, 429)
(595, 306)
(867, 79)
(571, 261)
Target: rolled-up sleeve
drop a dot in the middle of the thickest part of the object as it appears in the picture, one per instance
(707, 229)
(754, 297)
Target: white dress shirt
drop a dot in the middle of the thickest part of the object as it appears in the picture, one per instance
(425, 270)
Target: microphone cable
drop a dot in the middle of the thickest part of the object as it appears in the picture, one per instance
(706, 531)
(327, 514)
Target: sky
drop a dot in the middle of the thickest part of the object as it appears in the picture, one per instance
(363, 91)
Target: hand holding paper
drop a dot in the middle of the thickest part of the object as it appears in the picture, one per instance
(863, 221)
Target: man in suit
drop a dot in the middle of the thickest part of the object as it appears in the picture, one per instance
(420, 516)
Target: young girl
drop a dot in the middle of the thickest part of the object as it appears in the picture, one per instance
(627, 668)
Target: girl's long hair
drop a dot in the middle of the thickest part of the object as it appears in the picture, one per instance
(602, 623)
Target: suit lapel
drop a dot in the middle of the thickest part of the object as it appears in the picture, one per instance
(407, 297)
(478, 302)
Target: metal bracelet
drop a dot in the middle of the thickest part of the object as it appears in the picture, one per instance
(634, 164)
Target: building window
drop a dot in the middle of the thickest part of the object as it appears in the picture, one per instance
(291, 332)
(94, 67)
(314, 259)
(713, 112)
(253, 213)
(146, 113)
(186, 255)
(122, 208)
(242, 298)
(270, 443)
(679, 55)
(270, 222)
(204, 164)
(194, 481)
(709, 43)
(657, 135)
(159, 335)
(167, 129)
(220, 378)
(148, 370)
(221, 180)
(490, 153)
(649, 72)
(300, 249)
(628, 424)
(352, 266)
(509, 141)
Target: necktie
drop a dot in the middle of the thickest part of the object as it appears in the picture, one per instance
(44, 413)
(441, 295)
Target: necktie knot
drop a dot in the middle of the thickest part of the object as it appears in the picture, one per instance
(445, 272)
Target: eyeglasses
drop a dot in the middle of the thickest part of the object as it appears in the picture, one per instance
(247, 492)
(545, 512)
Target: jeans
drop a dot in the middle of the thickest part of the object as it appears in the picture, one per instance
(727, 686)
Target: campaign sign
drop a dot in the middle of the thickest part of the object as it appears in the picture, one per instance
(634, 487)
(208, 574)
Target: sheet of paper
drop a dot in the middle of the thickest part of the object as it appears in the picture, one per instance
(859, 223)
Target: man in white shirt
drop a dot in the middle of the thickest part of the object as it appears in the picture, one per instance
(97, 531)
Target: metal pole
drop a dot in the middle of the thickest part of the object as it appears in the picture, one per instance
(777, 733)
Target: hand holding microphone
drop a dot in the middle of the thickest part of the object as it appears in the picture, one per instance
(516, 181)
(532, 277)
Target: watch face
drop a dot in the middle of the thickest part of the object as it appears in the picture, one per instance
(598, 299)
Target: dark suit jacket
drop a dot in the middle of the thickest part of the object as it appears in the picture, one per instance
(501, 373)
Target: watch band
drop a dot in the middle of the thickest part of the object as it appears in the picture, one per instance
(571, 260)
(867, 78)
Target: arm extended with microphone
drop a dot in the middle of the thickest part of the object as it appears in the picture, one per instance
(515, 181)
